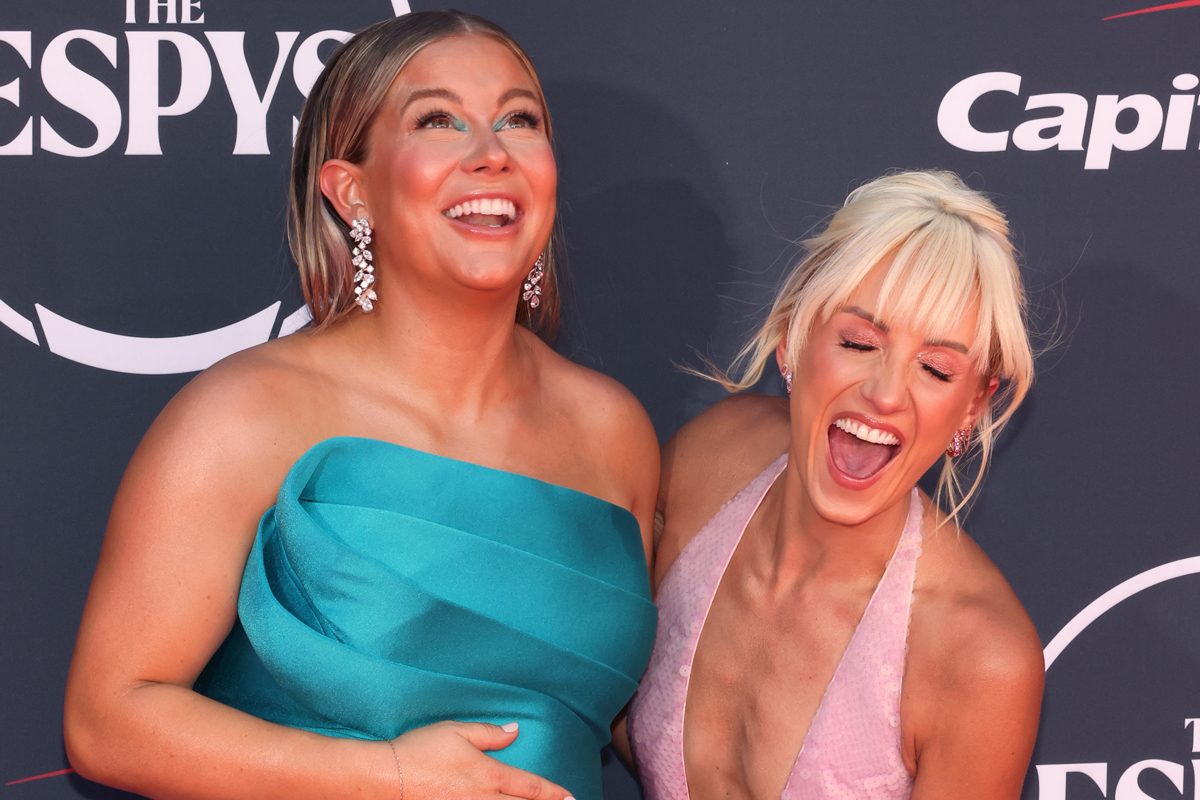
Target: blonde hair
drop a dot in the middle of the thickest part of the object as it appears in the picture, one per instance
(335, 123)
(948, 245)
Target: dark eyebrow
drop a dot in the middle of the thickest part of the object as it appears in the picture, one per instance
(421, 94)
(862, 313)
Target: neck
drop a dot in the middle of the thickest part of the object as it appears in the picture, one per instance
(460, 353)
(804, 544)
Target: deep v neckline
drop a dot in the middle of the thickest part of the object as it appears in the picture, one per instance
(779, 466)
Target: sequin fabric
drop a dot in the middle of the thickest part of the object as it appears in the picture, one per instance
(852, 748)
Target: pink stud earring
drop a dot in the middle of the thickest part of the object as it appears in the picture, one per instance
(958, 443)
(786, 372)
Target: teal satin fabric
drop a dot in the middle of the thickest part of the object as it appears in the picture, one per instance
(390, 588)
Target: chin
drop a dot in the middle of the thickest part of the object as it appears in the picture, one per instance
(849, 502)
(847, 513)
(491, 275)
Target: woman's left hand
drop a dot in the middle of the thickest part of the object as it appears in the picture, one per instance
(447, 760)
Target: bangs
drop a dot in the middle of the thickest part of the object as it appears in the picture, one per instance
(933, 280)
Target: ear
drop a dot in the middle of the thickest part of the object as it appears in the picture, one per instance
(781, 354)
(980, 401)
(342, 184)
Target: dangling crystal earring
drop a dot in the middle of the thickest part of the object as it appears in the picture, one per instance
(786, 371)
(362, 258)
(531, 292)
(958, 443)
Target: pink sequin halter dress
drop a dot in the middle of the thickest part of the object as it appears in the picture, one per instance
(852, 747)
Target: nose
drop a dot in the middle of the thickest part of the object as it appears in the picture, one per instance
(886, 387)
(487, 154)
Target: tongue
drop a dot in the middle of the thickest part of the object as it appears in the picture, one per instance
(487, 220)
(857, 458)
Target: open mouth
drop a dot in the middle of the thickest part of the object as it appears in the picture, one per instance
(484, 212)
(859, 451)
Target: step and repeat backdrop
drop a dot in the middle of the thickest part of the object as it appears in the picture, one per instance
(143, 157)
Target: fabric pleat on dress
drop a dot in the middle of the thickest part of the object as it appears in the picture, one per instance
(390, 588)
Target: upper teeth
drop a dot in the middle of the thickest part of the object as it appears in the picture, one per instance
(865, 432)
(491, 206)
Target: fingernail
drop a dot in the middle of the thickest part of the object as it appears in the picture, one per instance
(509, 728)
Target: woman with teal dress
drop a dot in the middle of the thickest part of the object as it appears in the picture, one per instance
(401, 553)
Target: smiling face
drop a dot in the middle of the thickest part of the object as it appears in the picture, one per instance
(459, 177)
(875, 403)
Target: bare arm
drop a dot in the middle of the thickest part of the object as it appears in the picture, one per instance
(164, 597)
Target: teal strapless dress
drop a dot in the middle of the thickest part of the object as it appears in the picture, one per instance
(390, 588)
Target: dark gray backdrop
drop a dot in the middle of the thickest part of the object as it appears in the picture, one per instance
(696, 142)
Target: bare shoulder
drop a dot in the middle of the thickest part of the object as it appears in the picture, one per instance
(722, 449)
(977, 627)
(973, 647)
(231, 430)
(712, 457)
(974, 664)
(745, 427)
(600, 404)
(606, 425)
(596, 398)
(246, 402)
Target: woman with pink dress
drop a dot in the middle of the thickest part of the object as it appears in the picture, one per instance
(826, 629)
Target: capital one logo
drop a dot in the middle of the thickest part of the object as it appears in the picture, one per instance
(1125, 781)
(1068, 121)
(162, 38)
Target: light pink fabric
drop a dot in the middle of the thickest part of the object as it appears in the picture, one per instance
(852, 748)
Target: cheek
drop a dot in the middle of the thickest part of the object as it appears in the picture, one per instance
(538, 163)
(419, 177)
(822, 375)
(417, 170)
(829, 368)
(940, 413)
